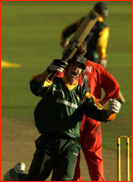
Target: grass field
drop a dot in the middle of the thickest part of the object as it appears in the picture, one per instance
(30, 36)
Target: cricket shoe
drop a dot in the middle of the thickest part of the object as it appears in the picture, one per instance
(16, 173)
(19, 167)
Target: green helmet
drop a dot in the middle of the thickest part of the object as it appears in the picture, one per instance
(101, 7)
(78, 58)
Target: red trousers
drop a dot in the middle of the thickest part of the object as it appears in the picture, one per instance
(91, 143)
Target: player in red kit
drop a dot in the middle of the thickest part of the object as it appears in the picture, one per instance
(95, 78)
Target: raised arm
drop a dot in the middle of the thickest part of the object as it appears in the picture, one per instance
(69, 30)
(40, 83)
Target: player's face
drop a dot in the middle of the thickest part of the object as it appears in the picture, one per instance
(74, 71)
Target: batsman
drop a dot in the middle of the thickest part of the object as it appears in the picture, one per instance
(58, 116)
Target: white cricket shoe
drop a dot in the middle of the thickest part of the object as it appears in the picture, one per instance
(14, 173)
(19, 167)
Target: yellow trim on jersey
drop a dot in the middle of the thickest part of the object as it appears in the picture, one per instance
(102, 42)
(47, 83)
(100, 19)
(96, 103)
(70, 87)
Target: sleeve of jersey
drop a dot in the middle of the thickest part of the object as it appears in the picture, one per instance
(70, 30)
(39, 88)
(102, 43)
(109, 84)
(94, 110)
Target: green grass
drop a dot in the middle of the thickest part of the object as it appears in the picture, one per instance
(30, 36)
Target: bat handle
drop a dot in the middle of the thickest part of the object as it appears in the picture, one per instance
(51, 77)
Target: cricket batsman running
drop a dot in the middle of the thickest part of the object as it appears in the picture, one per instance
(58, 117)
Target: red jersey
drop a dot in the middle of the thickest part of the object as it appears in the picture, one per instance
(97, 77)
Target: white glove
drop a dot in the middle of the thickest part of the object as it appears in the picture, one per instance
(57, 65)
(103, 62)
(114, 106)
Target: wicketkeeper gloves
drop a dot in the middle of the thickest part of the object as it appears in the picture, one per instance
(114, 106)
(57, 65)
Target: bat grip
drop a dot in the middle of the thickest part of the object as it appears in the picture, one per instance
(51, 77)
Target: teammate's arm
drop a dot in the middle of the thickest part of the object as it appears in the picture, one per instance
(102, 46)
(102, 43)
(70, 29)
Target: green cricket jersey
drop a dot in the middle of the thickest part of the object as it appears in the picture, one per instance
(62, 106)
(92, 40)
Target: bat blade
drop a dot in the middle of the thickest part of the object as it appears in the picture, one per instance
(78, 37)
(80, 34)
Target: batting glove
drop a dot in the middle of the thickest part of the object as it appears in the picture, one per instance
(114, 106)
(57, 65)
(103, 62)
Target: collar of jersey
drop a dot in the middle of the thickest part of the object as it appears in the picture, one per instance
(70, 87)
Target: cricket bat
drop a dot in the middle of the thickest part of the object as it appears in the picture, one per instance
(121, 98)
(79, 36)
